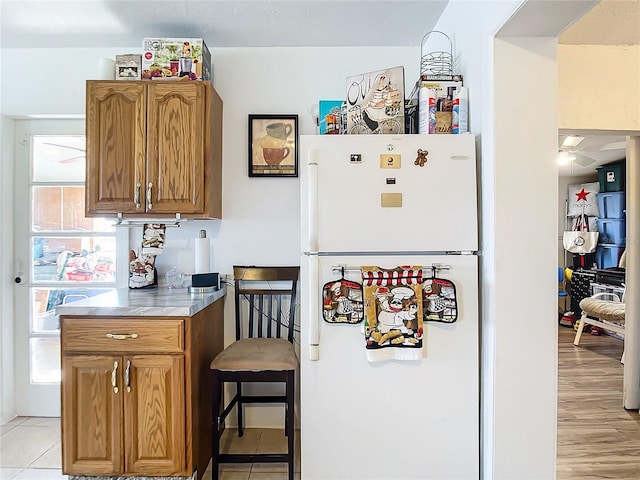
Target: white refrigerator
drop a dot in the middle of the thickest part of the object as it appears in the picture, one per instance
(388, 201)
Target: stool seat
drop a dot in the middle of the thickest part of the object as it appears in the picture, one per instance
(257, 354)
(606, 314)
(611, 311)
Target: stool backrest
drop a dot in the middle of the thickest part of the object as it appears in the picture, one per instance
(265, 301)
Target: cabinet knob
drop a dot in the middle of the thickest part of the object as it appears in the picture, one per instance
(149, 205)
(121, 336)
(127, 378)
(136, 195)
(114, 379)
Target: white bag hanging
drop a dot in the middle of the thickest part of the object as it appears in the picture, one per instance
(580, 239)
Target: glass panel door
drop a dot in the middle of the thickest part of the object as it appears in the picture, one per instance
(61, 256)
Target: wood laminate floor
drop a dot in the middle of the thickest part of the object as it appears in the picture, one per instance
(597, 437)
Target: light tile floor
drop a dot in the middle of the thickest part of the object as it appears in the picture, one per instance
(30, 450)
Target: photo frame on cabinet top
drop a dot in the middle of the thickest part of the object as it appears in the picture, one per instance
(273, 145)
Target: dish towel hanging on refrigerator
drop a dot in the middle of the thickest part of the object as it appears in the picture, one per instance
(393, 312)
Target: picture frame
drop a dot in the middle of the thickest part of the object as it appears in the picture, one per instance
(273, 145)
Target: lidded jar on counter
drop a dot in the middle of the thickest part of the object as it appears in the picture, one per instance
(174, 278)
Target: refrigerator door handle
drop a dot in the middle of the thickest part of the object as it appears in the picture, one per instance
(312, 313)
(312, 203)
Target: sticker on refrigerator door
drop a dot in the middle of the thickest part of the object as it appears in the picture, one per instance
(393, 312)
(391, 199)
(440, 300)
(389, 161)
(342, 302)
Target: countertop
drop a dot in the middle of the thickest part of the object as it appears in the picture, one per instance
(155, 302)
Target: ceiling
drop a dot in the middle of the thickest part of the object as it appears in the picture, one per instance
(266, 23)
(240, 23)
(273, 23)
(611, 22)
(592, 152)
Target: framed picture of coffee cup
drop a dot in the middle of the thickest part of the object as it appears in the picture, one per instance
(273, 145)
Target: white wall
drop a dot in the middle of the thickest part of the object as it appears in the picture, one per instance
(599, 87)
(526, 189)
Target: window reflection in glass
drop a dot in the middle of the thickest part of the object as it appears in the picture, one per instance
(71, 254)
(74, 259)
(45, 300)
(45, 359)
(58, 158)
(57, 208)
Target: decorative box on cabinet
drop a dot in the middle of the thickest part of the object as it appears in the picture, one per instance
(153, 148)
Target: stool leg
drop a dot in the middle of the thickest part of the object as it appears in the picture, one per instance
(215, 427)
(576, 340)
(240, 411)
(290, 421)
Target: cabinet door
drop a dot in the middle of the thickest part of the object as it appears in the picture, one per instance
(176, 147)
(116, 135)
(155, 415)
(92, 414)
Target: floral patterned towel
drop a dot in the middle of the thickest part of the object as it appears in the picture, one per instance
(393, 312)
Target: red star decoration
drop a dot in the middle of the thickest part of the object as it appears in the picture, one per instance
(582, 195)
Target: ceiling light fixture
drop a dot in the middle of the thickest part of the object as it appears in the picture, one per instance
(572, 141)
(565, 157)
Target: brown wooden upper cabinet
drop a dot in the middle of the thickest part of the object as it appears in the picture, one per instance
(154, 148)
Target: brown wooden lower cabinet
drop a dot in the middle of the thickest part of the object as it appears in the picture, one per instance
(129, 411)
(91, 416)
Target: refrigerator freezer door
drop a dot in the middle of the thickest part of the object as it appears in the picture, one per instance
(367, 193)
(415, 419)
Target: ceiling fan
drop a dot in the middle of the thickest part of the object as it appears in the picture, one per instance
(69, 159)
(574, 148)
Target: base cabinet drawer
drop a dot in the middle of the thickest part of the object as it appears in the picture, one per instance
(122, 335)
(123, 415)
